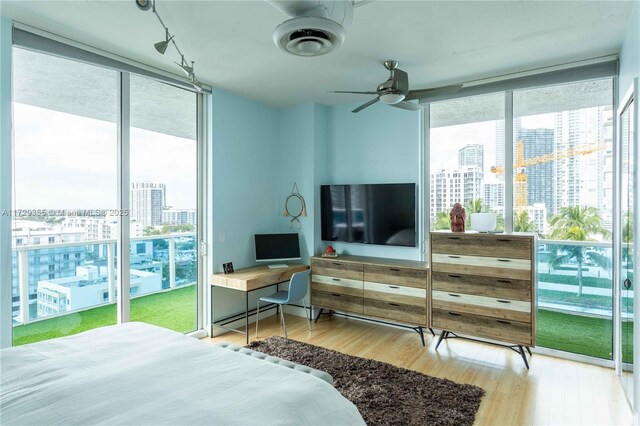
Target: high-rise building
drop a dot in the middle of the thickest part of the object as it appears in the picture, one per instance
(583, 177)
(46, 263)
(493, 195)
(179, 217)
(449, 186)
(147, 202)
(538, 215)
(540, 185)
(471, 155)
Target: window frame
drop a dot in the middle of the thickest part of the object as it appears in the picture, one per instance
(50, 44)
(598, 71)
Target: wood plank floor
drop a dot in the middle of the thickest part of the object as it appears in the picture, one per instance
(553, 392)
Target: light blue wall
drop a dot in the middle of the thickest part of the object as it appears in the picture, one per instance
(296, 165)
(630, 53)
(5, 178)
(380, 144)
(245, 196)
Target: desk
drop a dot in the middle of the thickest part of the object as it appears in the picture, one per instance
(251, 279)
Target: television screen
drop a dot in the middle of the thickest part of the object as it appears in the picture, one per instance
(272, 247)
(370, 214)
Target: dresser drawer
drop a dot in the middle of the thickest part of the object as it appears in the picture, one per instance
(336, 268)
(479, 305)
(336, 301)
(500, 288)
(409, 314)
(497, 267)
(336, 285)
(482, 245)
(398, 275)
(397, 294)
(497, 329)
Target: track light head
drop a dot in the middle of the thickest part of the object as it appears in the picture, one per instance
(144, 5)
(188, 69)
(161, 46)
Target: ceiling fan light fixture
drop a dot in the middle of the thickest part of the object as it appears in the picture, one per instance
(391, 98)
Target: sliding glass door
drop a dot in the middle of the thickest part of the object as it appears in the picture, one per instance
(163, 255)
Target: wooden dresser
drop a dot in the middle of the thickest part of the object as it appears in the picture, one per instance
(390, 289)
(483, 285)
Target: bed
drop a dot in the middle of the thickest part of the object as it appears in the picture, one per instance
(136, 373)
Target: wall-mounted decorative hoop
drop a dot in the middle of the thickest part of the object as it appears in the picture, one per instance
(294, 207)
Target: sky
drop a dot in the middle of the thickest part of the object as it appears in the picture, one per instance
(65, 161)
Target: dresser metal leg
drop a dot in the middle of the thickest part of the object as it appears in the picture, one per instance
(421, 333)
(524, 356)
(443, 335)
(528, 350)
(431, 330)
(319, 314)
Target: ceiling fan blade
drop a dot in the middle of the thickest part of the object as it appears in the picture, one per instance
(363, 106)
(408, 105)
(357, 93)
(444, 90)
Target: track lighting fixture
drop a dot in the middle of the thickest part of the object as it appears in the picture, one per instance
(161, 46)
(188, 70)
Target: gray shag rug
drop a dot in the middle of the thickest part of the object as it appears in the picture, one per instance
(383, 393)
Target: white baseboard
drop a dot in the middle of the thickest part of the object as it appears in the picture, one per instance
(239, 323)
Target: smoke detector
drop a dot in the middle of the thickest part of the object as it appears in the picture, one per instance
(316, 27)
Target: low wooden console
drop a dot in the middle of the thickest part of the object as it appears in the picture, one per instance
(390, 289)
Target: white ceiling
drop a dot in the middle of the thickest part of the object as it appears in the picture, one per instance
(437, 42)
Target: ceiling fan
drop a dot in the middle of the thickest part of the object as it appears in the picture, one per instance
(395, 91)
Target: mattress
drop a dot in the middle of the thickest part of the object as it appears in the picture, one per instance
(136, 373)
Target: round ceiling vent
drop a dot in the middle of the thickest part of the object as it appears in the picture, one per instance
(308, 36)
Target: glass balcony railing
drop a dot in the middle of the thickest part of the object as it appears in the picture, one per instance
(575, 297)
(64, 288)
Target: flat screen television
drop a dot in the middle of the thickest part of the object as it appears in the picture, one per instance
(371, 214)
(277, 247)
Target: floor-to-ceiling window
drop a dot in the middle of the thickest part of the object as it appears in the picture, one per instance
(561, 188)
(466, 152)
(163, 175)
(65, 141)
(66, 218)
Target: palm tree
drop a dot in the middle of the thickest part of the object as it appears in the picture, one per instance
(474, 206)
(577, 224)
(443, 221)
(522, 223)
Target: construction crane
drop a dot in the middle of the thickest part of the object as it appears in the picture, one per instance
(520, 180)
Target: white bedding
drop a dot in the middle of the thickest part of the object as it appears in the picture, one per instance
(140, 374)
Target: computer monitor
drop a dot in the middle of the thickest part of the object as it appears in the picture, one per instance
(277, 247)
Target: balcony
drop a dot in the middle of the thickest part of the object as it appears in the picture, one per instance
(65, 288)
(574, 319)
(567, 321)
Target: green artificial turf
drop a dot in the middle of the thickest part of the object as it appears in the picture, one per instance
(175, 310)
(579, 334)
